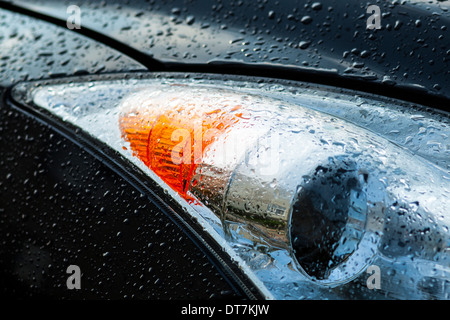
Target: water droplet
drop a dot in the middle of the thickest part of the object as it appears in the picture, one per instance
(316, 6)
(306, 20)
(304, 44)
(176, 11)
(190, 20)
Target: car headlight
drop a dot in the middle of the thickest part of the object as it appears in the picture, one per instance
(307, 186)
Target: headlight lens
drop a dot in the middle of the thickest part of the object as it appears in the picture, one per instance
(307, 185)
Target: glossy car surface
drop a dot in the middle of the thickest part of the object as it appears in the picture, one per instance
(66, 200)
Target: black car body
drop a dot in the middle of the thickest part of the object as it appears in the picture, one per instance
(67, 199)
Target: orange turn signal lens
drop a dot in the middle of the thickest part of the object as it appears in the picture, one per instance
(171, 141)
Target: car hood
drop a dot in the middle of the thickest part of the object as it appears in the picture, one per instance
(327, 39)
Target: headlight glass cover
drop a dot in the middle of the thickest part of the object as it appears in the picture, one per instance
(307, 186)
